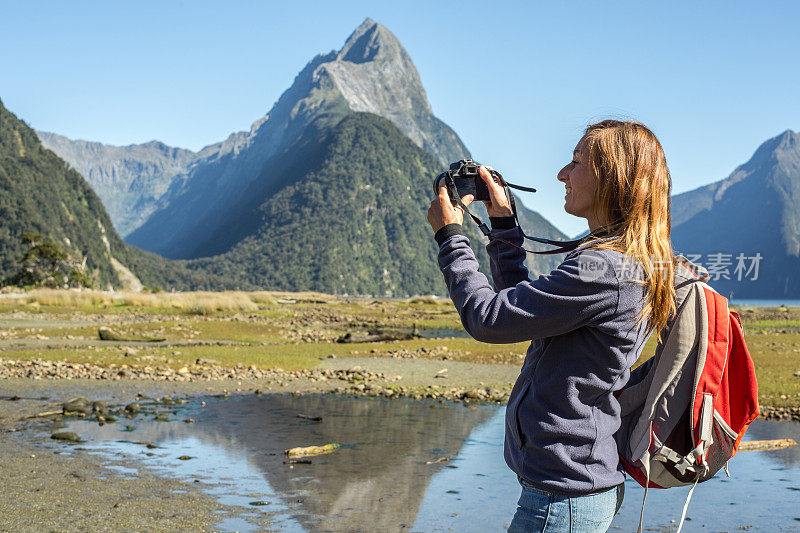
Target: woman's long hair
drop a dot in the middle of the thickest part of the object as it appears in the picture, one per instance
(633, 196)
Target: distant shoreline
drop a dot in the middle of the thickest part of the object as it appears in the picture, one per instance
(754, 302)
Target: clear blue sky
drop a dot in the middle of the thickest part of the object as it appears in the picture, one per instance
(518, 81)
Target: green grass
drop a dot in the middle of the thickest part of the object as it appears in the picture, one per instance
(269, 344)
(777, 357)
(772, 324)
(263, 357)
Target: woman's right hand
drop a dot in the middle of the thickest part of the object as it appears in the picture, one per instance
(498, 205)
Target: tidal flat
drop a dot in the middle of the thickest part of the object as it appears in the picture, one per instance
(235, 336)
(194, 345)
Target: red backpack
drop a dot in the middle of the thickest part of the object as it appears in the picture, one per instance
(685, 410)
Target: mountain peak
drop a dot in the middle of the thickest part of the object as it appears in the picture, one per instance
(369, 42)
(774, 149)
(371, 73)
(788, 140)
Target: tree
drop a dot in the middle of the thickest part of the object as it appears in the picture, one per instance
(46, 264)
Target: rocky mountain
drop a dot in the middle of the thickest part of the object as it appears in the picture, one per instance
(372, 72)
(753, 212)
(375, 74)
(40, 193)
(130, 180)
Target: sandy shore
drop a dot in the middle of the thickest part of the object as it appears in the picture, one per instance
(49, 486)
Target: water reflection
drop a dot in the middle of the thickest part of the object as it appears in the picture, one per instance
(380, 480)
(444, 333)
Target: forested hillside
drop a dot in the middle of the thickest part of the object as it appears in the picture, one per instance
(347, 215)
(41, 194)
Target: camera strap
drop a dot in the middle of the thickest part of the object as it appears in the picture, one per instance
(561, 246)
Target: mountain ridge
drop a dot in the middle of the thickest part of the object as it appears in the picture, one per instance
(755, 210)
(129, 179)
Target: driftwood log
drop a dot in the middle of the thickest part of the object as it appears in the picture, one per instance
(107, 334)
(379, 336)
(762, 445)
(311, 450)
(47, 413)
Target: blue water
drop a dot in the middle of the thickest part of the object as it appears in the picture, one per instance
(762, 493)
(386, 478)
(766, 303)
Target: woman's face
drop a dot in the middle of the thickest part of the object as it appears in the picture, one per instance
(580, 183)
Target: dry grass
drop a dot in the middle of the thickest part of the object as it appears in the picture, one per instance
(197, 303)
(428, 300)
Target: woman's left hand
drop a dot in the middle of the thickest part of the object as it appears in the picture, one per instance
(442, 211)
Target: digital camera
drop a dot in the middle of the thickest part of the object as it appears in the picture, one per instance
(465, 178)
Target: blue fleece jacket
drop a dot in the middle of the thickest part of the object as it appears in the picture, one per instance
(581, 320)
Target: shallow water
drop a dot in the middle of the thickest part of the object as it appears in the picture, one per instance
(766, 303)
(443, 333)
(379, 479)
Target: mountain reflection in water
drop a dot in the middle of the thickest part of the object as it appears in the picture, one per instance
(379, 479)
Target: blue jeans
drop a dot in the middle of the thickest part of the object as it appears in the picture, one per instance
(543, 511)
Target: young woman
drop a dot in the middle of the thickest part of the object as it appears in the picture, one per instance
(588, 320)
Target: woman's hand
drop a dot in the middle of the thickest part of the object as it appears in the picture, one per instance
(442, 211)
(498, 205)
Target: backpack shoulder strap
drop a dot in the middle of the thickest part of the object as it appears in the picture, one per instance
(679, 340)
(682, 340)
